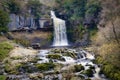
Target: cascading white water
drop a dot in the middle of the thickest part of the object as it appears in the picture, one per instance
(60, 37)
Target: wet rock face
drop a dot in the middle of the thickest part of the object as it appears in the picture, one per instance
(19, 21)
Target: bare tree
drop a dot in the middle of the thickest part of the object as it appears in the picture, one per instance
(110, 14)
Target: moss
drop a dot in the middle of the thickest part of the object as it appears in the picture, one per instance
(73, 55)
(78, 68)
(45, 66)
(56, 50)
(88, 72)
(54, 56)
(3, 77)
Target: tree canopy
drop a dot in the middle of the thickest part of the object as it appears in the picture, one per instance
(4, 20)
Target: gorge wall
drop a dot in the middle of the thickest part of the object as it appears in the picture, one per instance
(18, 22)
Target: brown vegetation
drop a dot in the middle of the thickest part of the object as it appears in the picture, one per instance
(39, 34)
(3, 38)
(108, 39)
(26, 39)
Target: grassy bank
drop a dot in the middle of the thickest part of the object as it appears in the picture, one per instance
(111, 71)
(5, 48)
(2, 77)
(109, 57)
(26, 38)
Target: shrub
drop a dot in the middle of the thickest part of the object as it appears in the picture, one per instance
(117, 76)
(109, 57)
(111, 71)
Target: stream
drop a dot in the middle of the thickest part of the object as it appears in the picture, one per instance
(83, 57)
(70, 58)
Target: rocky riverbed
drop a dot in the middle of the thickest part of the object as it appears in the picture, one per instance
(51, 64)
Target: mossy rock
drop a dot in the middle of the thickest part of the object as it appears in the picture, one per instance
(92, 67)
(88, 72)
(78, 68)
(55, 56)
(56, 50)
(70, 54)
(45, 66)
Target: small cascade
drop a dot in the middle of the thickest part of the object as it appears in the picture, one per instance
(80, 67)
(60, 37)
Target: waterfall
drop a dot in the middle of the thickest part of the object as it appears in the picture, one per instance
(60, 37)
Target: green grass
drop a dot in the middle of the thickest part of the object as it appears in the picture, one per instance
(5, 48)
(110, 70)
(2, 77)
